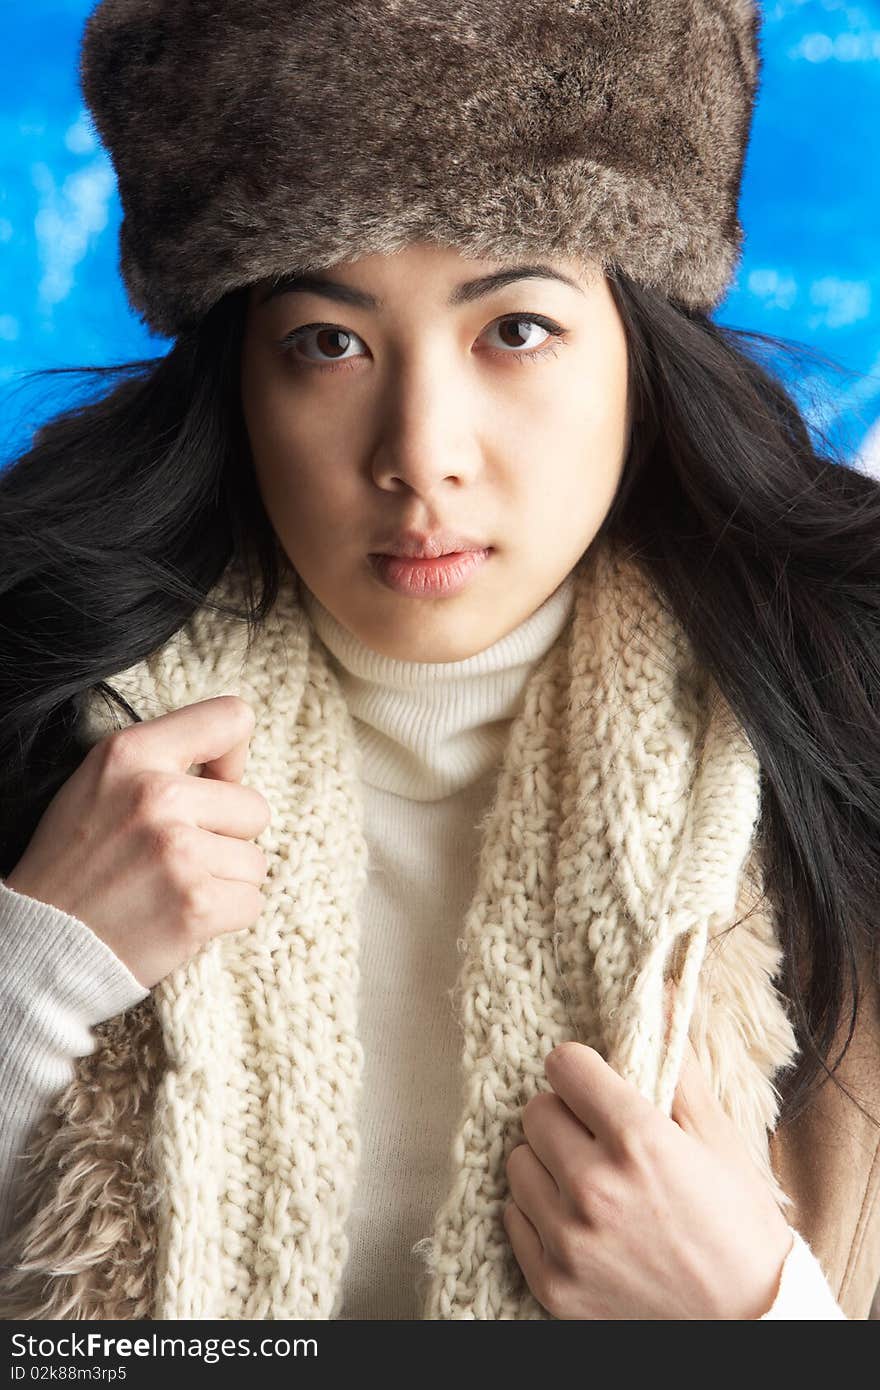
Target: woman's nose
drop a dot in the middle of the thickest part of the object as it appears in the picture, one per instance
(427, 438)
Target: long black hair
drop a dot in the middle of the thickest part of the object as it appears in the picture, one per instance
(125, 510)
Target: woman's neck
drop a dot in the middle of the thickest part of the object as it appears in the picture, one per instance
(428, 729)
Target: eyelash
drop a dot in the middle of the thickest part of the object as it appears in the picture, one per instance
(548, 349)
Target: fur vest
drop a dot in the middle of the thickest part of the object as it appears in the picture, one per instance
(202, 1162)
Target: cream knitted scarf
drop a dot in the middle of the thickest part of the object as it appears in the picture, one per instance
(202, 1162)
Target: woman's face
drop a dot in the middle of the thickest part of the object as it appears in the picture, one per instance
(419, 397)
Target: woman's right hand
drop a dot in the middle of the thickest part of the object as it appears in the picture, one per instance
(154, 859)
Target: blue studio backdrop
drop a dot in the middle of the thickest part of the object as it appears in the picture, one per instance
(810, 208)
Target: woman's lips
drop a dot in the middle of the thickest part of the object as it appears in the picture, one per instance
(445, 575)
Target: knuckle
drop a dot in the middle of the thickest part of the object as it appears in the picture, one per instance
(639, 1146)
(565, 1244)
(244, 705)
(156, 797)
(195, 905)
(245, 711)
(596, 1199)
(583, 1193)
(549, 1290)
(153, 796)
(117, 752)
(169, 841)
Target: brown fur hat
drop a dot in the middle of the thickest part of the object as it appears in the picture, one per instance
(252, 138)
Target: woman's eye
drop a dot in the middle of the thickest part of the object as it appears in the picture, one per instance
(327, 337)
(515, 330)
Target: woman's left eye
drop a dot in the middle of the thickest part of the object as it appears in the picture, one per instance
(518, 324)
(520, 321)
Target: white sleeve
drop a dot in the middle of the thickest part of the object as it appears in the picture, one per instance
(58, 979)
(804, 1291)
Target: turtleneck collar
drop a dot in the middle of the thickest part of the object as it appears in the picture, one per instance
(427, 729)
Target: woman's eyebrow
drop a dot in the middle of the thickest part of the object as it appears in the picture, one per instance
(465, 293)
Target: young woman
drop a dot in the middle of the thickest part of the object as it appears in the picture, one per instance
(438, 715)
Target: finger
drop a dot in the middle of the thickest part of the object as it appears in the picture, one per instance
(228, 857)
(593, 1091)
(558, 1139)
(213, 734)
(532, 1187)
(227, 808)
(526, 1244)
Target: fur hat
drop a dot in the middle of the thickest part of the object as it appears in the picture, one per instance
(253, 138)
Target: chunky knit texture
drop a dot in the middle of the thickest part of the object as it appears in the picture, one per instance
(431, 737)
(218, 1116)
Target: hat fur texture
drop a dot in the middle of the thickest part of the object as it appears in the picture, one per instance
(253, 138)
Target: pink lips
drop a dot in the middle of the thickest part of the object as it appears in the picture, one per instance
(447, 574)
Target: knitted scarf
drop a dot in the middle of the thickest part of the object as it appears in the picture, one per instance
(202, 1162)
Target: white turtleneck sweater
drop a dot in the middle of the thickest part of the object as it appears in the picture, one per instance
(431, 737)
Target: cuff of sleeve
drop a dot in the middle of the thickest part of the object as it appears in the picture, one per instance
(60, 961)
(804, 1291)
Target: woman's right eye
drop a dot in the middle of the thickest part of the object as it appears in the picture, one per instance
(328, 338)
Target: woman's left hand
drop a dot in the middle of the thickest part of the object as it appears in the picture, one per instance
(620, 1212)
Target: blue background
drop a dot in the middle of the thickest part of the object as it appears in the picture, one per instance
(810, 208)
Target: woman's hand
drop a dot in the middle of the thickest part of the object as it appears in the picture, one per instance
(620, 1212)
(156, 861)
